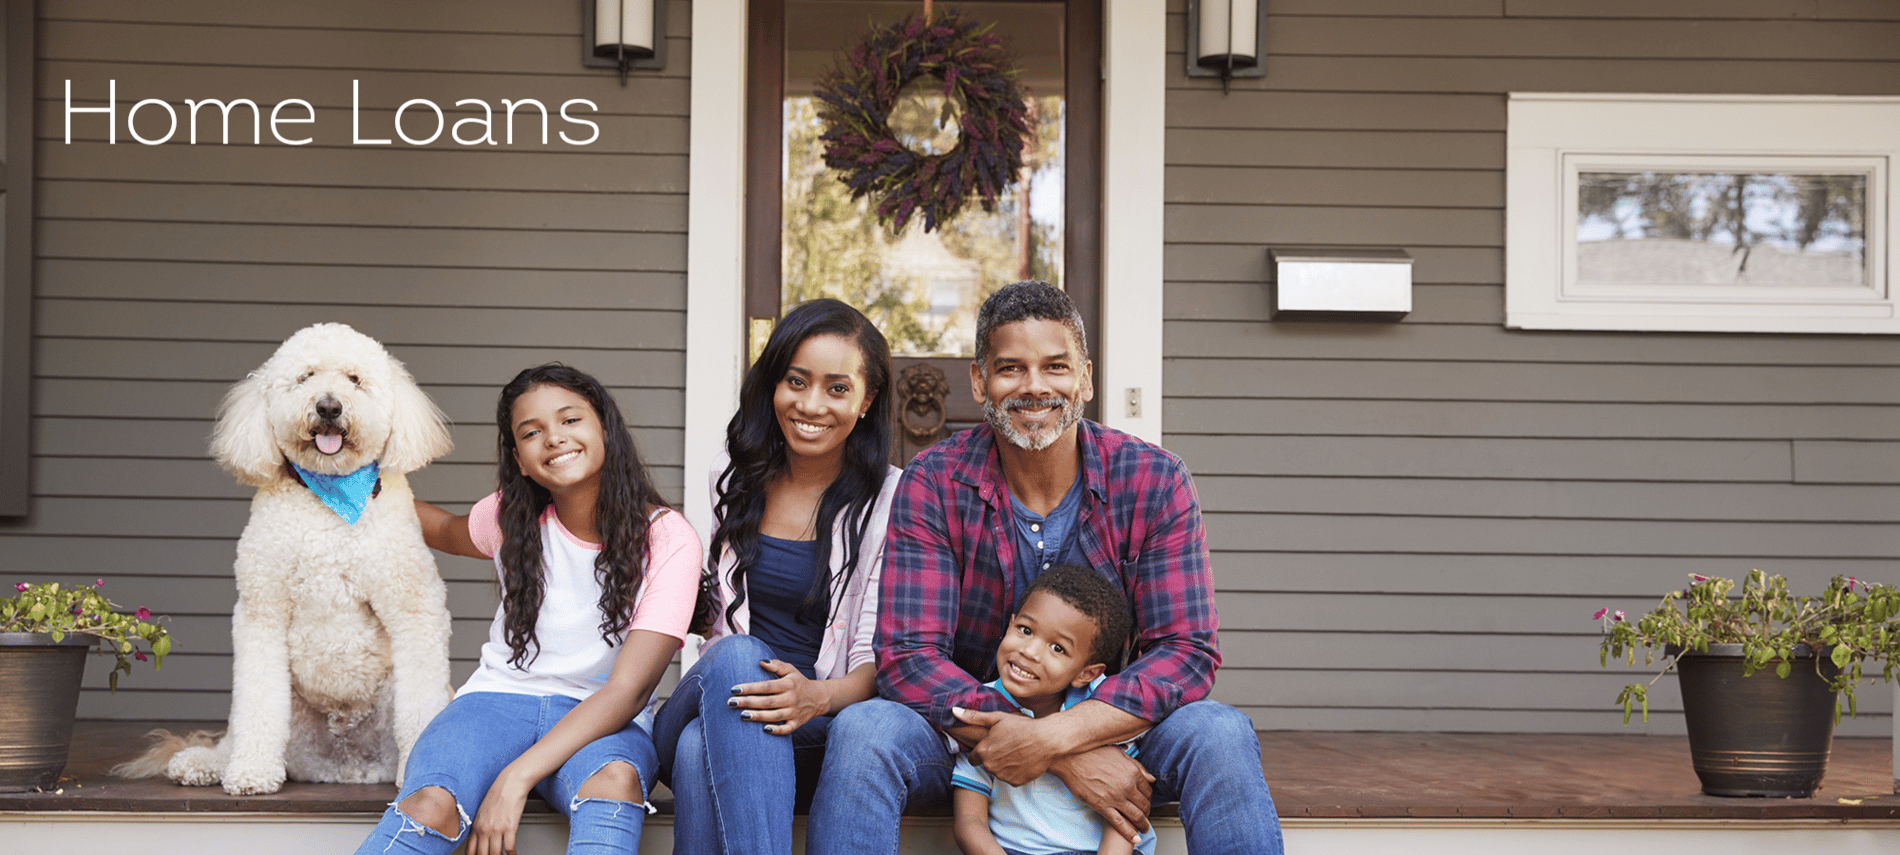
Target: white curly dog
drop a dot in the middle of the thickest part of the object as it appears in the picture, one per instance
(340, 636)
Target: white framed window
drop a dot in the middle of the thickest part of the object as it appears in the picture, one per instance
(1701, 213)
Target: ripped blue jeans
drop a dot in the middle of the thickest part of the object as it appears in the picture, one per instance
(478, 734)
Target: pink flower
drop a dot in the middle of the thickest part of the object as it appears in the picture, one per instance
(143, 613)
(1698, 577)
(20, 586)
(1619, 615)
(138, 654)
(1600, 613)
(98, 583)
(1851, 582)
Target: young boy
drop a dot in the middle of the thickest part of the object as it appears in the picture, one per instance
(1070, 628)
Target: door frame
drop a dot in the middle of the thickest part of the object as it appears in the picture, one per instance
(1134, 97)
(1081, 183)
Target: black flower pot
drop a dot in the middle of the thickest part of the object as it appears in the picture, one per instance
(41, 697)
(1759, 735)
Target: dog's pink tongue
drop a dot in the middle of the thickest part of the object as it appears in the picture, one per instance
(329, 443)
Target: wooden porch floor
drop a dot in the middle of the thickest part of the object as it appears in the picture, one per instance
(1313, 774)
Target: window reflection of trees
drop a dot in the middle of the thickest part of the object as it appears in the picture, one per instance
(921, 289)
(1761, 229)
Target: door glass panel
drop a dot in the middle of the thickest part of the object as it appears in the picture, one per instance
(921, 288)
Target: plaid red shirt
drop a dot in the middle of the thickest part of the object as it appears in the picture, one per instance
(948, 590)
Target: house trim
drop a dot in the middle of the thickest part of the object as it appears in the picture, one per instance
(715, 244)
(16, 278)
(1552, 134)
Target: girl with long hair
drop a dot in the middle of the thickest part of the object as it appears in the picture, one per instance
(598, 578)
(800, 500)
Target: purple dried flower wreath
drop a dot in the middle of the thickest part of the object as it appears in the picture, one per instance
(857, 97)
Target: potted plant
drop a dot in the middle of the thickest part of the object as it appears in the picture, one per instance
(1764, 676)
(45, 631)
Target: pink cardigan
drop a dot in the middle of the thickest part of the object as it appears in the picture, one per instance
(847, 640)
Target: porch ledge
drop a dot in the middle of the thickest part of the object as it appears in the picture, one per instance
(1316, 775)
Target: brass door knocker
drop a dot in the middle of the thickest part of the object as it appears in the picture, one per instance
(921, 393)
(922, 390)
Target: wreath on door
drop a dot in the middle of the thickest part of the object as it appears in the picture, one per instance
(858, 96)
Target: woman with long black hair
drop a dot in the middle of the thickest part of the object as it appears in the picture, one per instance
(800, 503)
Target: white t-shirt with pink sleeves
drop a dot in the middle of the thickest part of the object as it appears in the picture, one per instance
(572, 658)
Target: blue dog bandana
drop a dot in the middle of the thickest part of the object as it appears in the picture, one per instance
(348, 494)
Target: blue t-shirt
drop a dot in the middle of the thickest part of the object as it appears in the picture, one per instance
(775, 588)
(1042, 815)
(1043, 542)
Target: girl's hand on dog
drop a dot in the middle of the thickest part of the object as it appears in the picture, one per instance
(782, 705)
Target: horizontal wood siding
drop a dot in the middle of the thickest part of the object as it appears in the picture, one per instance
(166, 272)
(1413, 522)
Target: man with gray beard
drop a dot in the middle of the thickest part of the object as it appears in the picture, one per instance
(976, 518)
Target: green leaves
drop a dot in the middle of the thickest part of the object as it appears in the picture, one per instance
(46, 608)
(1852, 621)
(1633, 694)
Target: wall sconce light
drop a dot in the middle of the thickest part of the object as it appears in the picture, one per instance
(623, 34)
(1225, 39)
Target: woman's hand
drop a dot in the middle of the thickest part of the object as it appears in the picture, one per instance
(493, 831)
(782, 705)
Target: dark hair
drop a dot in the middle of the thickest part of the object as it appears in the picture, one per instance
(1096, 596)
(620, 514)
(756, 446)
(1022, 301)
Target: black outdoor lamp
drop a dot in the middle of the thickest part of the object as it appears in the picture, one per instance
(623, 34)
(1225, 39)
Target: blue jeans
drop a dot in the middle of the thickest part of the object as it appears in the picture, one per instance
(735, 787)
(883, 756)
(465, 747)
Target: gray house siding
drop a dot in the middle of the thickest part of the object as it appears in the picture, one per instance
(166, 272)
(1413, 522)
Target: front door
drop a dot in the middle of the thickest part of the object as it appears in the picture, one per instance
(807, 238)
